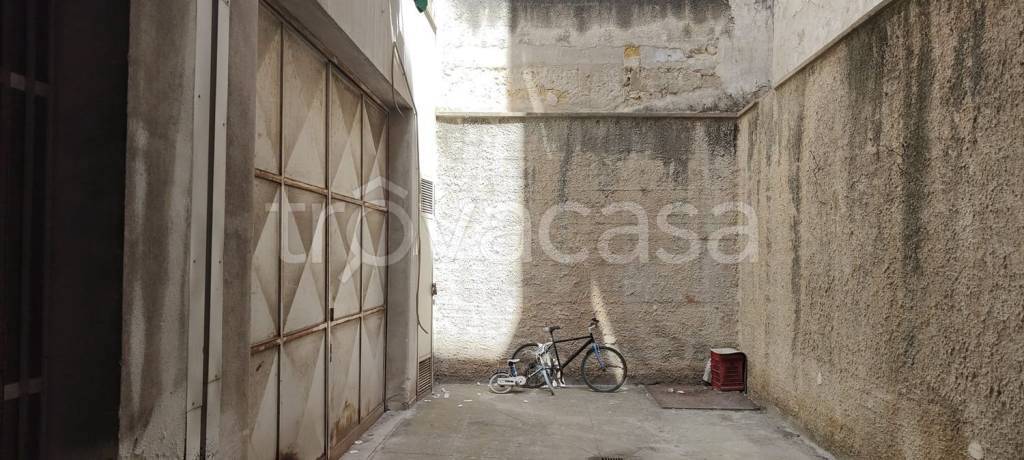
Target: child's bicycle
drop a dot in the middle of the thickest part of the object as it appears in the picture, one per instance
(503, 380)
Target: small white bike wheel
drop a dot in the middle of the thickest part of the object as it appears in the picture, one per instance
(496, 387)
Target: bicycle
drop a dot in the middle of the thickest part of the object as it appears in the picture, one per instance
(503, 381)
(603, 368)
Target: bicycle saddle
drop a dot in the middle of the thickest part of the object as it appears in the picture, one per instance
(552, 328)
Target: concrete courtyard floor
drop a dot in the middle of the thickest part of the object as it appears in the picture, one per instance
(576, 423)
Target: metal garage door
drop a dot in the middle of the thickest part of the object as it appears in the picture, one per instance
(319, 277)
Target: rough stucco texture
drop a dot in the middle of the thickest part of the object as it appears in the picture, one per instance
(602, 55)
(885, 310)
(498, 285)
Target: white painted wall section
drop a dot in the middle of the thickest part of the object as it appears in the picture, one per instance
(803, 28)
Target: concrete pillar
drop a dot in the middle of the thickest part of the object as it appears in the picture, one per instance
(403, 268)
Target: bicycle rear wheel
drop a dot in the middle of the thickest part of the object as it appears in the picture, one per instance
(606, 374)
(496, 387)
(529, 362)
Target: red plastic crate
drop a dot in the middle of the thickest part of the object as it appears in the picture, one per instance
(728, 369)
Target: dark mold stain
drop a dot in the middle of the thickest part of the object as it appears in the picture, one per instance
(702, 10)
(795, 147)
(565, 162)
(588, 14)
(581, 18)
(671, 142)
(752, 136)
(721, 138)
(624, 13)
(866, 56)
(919, 68)
(969, 43)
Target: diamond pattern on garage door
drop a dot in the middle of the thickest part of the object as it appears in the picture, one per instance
(302, 259)
(302, 397)
(374, 154)
(263, 295)
(374, 259)
(305, 80)
(345, 258)
(346, 124)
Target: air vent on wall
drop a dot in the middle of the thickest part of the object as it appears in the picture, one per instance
(424, 378)
(427, 197)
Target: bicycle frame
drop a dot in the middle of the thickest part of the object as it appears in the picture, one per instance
(591, 342)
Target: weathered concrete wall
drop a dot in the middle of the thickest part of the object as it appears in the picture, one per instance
(499, 267)
(156, 234)
(157, 223)
(602, 55)
(805, 27)
(499, 177)
(885, 311)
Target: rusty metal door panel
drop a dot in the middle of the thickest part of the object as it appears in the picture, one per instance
(344, 365)
(345, 258)
(345, 136)
(374, 154)
(374, 259)
(268, 94)
(264, 291)
(303, 397)
(302, 259)
(263, 397)
(303, 121)
(372, 364)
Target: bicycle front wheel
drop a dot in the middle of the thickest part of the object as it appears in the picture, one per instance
(605, 371)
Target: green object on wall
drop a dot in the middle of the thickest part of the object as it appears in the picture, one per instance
(421, 5)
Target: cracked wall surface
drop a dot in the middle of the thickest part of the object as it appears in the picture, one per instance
(602, 55)
(498, 285)
(885, 310)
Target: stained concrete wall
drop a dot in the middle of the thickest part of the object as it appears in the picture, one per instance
(157, 213)
(499, 176)
(500, 282)
(158, 184)
(234, 424)
(884, 312)
(587, 55)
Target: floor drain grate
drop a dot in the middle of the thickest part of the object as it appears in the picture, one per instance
(606, 458)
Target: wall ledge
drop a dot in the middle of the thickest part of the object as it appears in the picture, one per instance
(697, 115)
